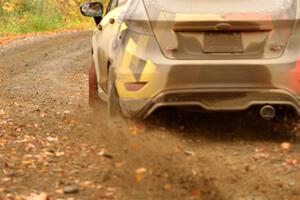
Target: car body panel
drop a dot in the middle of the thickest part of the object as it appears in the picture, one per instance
(215, 80)
(102, 44)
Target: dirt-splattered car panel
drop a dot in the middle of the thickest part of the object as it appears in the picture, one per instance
(194, 53)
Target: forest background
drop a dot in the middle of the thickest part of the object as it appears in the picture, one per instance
(31, 16)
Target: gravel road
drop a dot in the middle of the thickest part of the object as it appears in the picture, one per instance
(52, 142)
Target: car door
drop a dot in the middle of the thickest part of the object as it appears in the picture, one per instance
(102, 41)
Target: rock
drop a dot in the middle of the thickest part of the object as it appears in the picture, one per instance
(291, 162)
(189, 153)
(52, 139)
(71, 189)
(250, 197)
(59, 191)
(10, 174)
(66, 112)
(42, 196)
(259, 156)
(182, 128)
(7, 179)
(105, 154)
(292, 183)
(236, 153)
(234, 168)
(285, 146)
(167, 187)
(106, 176)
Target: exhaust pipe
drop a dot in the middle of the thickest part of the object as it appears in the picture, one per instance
(268, 112)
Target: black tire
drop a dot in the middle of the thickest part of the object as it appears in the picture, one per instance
(114, 110)
(286, 122)
(288, 126)
(94, 100)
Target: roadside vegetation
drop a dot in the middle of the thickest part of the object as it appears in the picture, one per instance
(28, 16)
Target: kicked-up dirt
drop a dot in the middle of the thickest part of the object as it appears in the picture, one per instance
(51, 141)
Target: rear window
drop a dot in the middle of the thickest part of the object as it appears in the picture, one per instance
(221, 6)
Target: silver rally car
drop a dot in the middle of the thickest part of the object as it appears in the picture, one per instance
(216, 55)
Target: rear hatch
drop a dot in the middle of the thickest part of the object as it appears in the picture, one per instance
(222, 29)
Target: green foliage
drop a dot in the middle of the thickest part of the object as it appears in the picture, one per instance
(32, 23)
(26, 16)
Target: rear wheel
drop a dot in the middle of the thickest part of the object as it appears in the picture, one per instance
(94, 99)
(114, 110)
(286, 123)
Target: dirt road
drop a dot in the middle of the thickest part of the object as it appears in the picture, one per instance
(52, 142)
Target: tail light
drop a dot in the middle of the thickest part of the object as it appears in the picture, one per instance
(136, 86)
(294, 77)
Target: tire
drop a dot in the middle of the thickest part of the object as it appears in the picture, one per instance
(287, 126)
(114, 110)
(94, 99)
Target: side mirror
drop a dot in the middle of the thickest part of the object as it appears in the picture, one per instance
(92, 9)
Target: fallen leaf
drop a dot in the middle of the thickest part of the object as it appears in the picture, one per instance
(136, 127)
(140, 174)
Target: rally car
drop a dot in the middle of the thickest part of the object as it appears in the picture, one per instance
(209, 55)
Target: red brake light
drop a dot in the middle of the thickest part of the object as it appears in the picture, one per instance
(134, 87)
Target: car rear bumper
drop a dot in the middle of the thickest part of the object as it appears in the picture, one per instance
(214, 85)
(210, 100)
